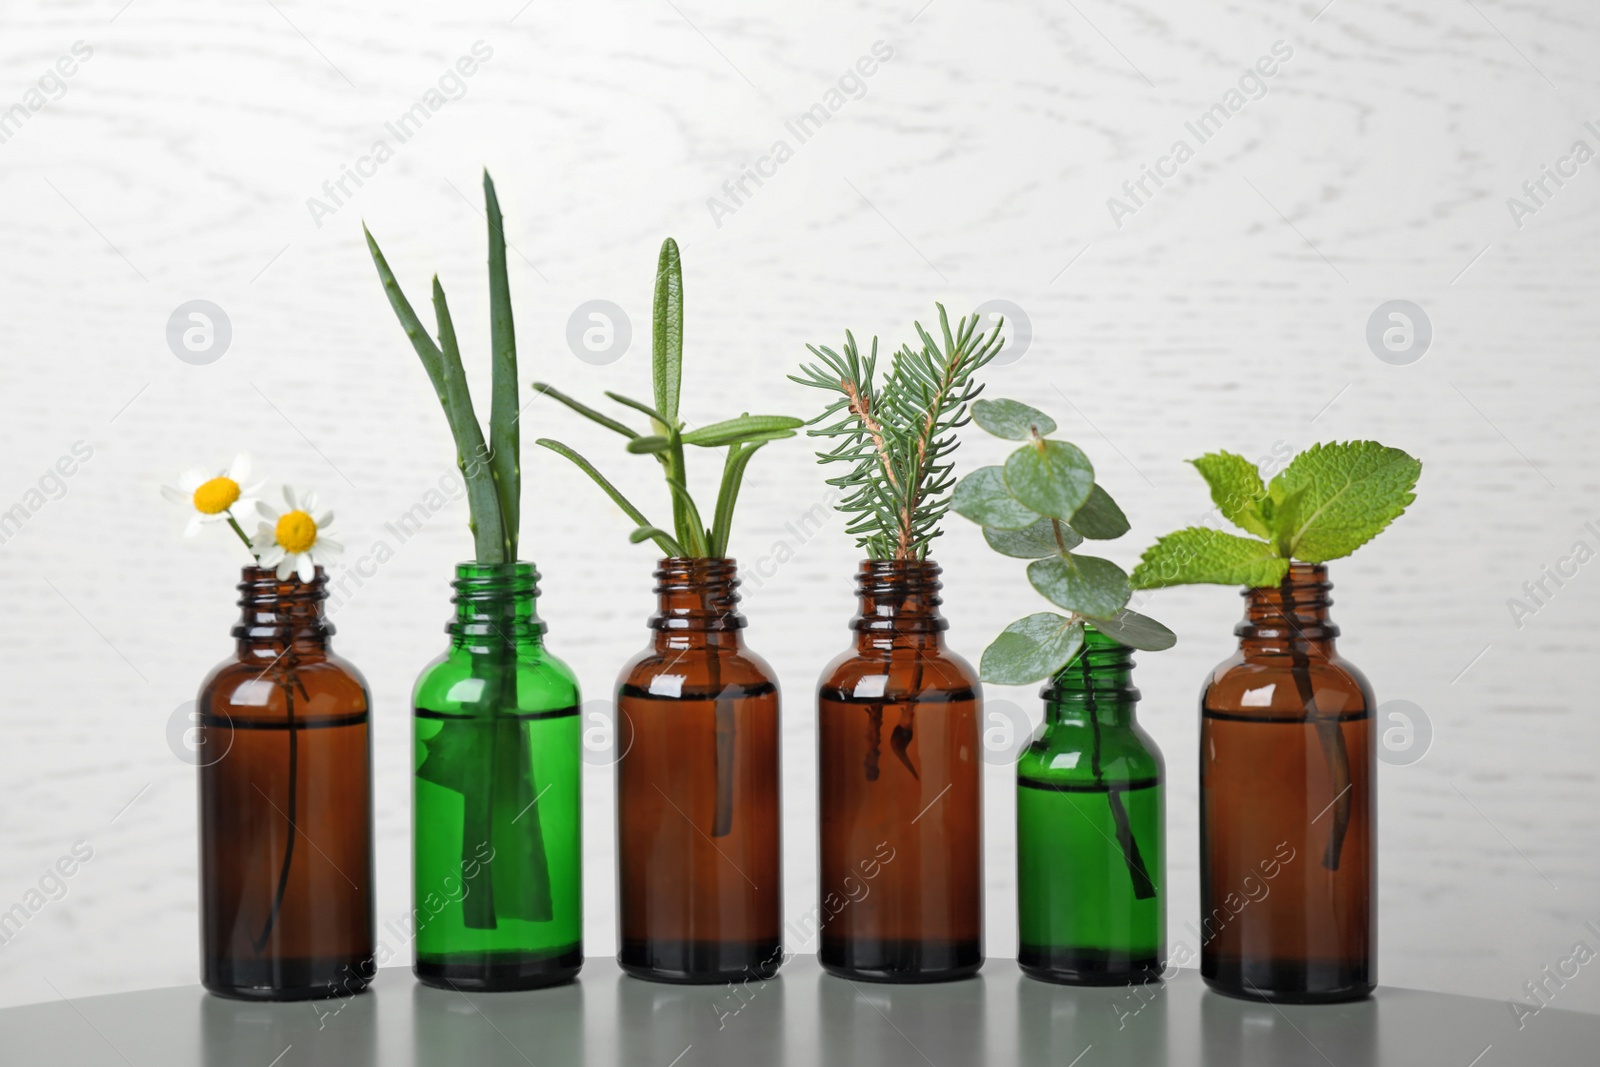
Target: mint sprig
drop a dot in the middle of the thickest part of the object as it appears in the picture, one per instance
(1329, 501)
(1040, 505)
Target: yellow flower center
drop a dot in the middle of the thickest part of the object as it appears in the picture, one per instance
(216, 496)
(296, 532)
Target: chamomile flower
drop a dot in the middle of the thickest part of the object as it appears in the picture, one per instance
(293, 541)
(215, 497)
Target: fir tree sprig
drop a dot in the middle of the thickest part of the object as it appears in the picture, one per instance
(897, 440)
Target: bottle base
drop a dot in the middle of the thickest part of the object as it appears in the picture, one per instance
(499, 972)
(286, 979)
(1088, 966)
(906, 961)
(1288, 981)
(700, 962)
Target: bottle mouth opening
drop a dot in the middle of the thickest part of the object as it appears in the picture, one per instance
(898, 577)
(489, 581)
(260, 585)
(681, 572)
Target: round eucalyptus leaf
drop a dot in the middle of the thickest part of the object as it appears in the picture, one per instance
(1098, 518)
(982, 497)
(1052, 477)
(1031, 542)
(1012, 420)
(1031, 649)
(1094, 587)
(1136, 631)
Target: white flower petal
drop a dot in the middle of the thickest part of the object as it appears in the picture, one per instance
(308, 501)
(328, 544)
(265, 511)
(194, 526)
(271, 555)
(323, 521)
(240, 469)
(177, 496)
(193, 478)
(288, 496)
(308, 568)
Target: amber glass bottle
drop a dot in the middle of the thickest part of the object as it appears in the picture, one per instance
(899, 788)
(699, 853)
(285, 806)
(1287, 790)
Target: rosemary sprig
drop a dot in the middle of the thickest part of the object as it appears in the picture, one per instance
(690, 537)
(897, 439)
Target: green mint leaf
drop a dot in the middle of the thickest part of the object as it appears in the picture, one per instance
(1200, 555)
(1012, 420)
(1099, 518)
(1236, 489)
(1031, 649)
(1089, 586)
(1053, 478)
(982, 497)
(1032, 542)
(1136, 631)
(1348, 492)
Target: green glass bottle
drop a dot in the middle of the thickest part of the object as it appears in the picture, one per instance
(1091, 830)
(497, 831)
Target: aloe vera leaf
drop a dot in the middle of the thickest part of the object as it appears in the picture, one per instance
(669, 546)
(505, 446)
(427, 351)
(667, 333)
(472, 455)
(583, 409)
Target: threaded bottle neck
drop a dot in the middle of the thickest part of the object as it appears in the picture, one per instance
(275, 614)
(1293, 612)
(495, 604)
(1098, 682)
(697, 596)
(899, 603)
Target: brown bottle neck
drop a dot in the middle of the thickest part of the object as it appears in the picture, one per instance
(1289, 617)
(282, 619)
(899, 605)
(696, 605)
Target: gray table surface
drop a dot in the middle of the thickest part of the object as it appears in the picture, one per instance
(801, 1017)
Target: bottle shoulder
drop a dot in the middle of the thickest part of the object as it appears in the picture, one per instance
(1267, 685)
(654, 670)
(327, 687)
(1064, 753)
(872, 673)
(454, 681)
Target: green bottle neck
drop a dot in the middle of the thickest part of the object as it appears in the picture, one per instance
(1096, 687)
(496, 606)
